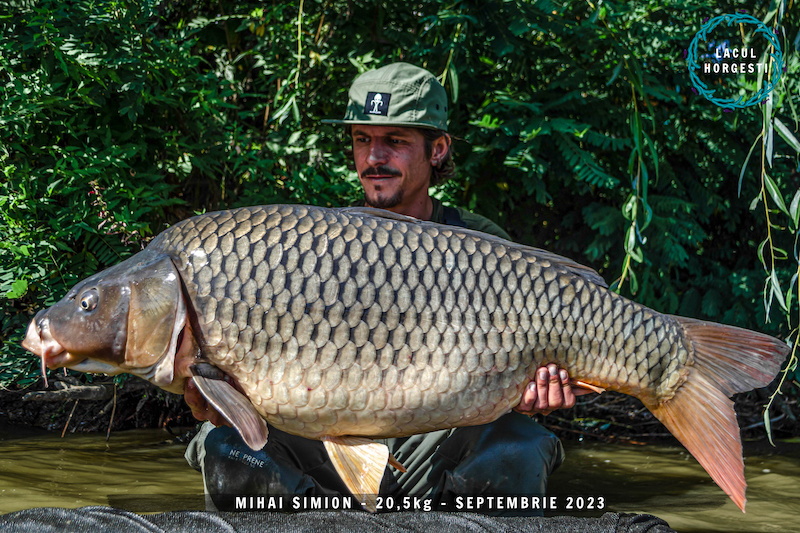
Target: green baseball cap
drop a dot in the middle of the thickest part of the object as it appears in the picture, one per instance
(399, 94)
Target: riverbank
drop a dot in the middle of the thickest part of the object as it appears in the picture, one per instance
(136, 404)
(69, 405)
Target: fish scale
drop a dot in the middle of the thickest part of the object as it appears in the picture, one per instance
(339, 324)
(391, 297)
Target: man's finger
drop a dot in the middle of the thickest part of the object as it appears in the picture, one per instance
(192, 396)
(542, 384)
(555, 395)
(567, 395)
(528, 400)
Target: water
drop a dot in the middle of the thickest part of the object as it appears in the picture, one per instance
(143, 471)
(667, 482)
(140, 471)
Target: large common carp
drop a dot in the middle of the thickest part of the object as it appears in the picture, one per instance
(339, 324)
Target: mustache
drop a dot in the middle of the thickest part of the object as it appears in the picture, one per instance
(380, 171)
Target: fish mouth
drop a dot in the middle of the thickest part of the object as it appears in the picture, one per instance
(39, 341)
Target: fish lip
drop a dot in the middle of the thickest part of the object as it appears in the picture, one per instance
(64, 359)
(39, 341)
(96, 367)
(33, 340)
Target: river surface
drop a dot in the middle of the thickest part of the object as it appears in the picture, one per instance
(144, 471)
(666, 481)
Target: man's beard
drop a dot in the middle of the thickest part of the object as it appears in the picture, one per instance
(376, 199)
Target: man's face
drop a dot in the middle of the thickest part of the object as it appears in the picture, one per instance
(392, 166)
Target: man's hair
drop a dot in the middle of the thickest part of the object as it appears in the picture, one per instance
(442, 172)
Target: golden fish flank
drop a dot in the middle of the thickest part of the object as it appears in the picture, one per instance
(357, 322)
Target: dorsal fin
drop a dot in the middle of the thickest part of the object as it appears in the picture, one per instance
(379, 213)
(587, 273)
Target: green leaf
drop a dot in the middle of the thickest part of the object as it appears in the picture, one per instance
(629, 209)
(636, 129)
(775, 193)
(453, 82)
(616, 72)
(18, 289)
(769, 147)
(787, 134)
(633, 281)
(52, 186)
(760, 252)
(779, 253)
(790, 292)
(794, 210)
(637, 254)
(630, 240)
(744, 166)
(768, 426)
(775, 288)
(654, 157)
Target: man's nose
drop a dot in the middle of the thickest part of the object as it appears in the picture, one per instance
(377, 153)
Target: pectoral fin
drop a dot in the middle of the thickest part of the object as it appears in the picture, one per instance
(231, 404)
(360, 463)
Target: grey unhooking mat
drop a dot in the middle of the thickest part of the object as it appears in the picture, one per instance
(98, 518)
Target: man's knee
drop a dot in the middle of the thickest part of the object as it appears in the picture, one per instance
(513, 455)
(287, 465)
(231, 468)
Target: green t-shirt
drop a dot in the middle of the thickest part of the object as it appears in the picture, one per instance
(470, 220)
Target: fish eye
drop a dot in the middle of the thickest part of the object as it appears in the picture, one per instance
(89, 300)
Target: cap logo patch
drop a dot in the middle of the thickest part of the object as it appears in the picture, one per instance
(377, 104)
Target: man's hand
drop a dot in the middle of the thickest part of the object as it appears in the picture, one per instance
(201, 409)
(550, 390)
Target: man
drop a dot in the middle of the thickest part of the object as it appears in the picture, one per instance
(397, 119)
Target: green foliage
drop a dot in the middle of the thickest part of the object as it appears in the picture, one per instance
(771, 251)
(575, 124)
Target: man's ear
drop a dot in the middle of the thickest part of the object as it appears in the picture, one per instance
(440, 148)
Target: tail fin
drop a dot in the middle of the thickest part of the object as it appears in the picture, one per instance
(728, 360)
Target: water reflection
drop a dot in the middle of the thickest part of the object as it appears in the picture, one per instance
(139, 471)
(143, 471)
(667, 482)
